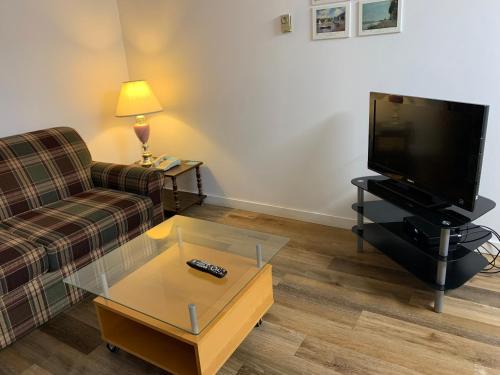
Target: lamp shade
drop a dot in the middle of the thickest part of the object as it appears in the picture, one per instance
(136, 98)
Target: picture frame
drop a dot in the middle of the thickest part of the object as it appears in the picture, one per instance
(380, 17)
(323, 2)
(331, 21)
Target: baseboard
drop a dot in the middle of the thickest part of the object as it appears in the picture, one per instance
(492, 250)
(290, 213)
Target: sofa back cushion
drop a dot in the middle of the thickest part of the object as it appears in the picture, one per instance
(40, 168)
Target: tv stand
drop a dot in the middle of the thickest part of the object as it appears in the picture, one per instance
(439, 268)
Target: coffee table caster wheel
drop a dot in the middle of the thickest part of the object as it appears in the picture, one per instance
(112, 348)
(259, 323)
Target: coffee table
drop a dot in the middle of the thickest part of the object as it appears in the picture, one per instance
(153, 305)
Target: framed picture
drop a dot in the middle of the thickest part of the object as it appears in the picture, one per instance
(321, 2)
(380, 17)
(332, 21)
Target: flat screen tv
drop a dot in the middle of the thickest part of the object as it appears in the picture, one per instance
(434, 146)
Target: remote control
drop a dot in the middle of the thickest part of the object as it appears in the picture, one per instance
(202, 266)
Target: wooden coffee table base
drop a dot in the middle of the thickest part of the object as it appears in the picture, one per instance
(177, 351)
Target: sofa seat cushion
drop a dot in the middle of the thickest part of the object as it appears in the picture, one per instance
(92, 222)
(20, 261)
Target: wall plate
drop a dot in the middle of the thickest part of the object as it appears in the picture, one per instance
(286, 23)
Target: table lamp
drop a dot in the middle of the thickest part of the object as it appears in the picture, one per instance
(137, 99)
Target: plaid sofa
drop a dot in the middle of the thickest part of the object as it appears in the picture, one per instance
(58, 212)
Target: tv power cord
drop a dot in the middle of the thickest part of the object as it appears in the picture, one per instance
(492, 267)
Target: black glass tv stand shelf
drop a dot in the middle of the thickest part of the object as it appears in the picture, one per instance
(442, 267)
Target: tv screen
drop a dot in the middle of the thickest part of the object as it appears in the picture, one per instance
(434, 145)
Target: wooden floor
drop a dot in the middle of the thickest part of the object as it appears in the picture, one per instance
(336, 312)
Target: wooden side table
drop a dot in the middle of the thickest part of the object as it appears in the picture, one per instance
(177, 201)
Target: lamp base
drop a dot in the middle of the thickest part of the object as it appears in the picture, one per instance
(141, 129)
(147, 157)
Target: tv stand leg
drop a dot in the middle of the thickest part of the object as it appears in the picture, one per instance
(444, 245)
(361, 200)
(439, 301)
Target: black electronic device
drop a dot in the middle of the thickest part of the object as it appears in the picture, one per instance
(431, 149)
(428, 235)
(202, 266)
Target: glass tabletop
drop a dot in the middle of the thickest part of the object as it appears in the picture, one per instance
(149, 274)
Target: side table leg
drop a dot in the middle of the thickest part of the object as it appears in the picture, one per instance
(441, 270)
(176, 195)
(198, 181)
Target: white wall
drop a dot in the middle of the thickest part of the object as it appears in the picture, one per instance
(282, 120)
(61, 63)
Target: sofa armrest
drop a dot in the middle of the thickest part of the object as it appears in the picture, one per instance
(132, 179)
